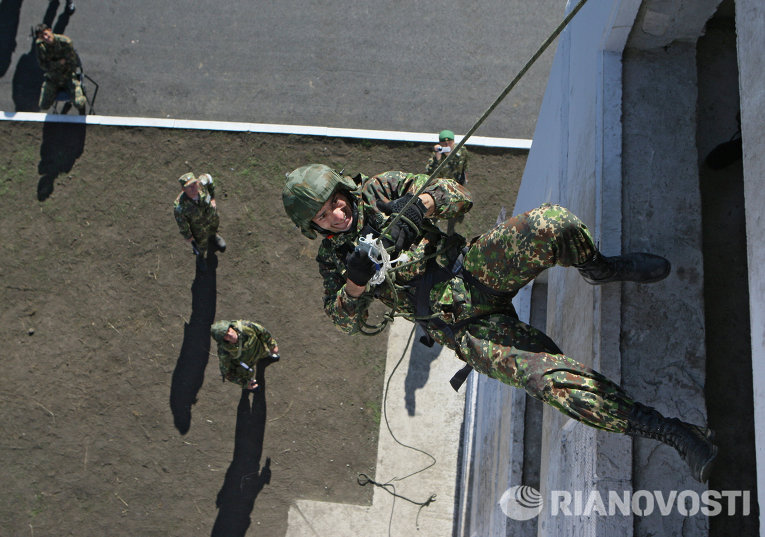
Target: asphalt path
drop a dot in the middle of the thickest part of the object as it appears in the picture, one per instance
(387, 65)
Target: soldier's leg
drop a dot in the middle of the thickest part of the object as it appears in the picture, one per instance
(47, 95)
(516, 251)
(202, 245)
(74, 87)
(552, 377)
(219, 243)
(521, 356)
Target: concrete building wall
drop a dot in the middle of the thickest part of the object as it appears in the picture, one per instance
(616, 143)
(662, 325)
(750, 27)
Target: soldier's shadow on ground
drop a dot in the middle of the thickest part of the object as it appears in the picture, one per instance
(28, 77)
(27, 80)
(62, 145)
(189, 372)
(419, 369)
(10, 11)
(244, 477)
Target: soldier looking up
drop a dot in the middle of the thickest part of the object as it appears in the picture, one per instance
(56, 56)
(196, 214)
(241, 345)
(461, 294)
(455, 169)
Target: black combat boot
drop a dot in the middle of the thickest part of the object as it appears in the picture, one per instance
(201, 263)
(693, 443)
(220, 244)
(633, 267)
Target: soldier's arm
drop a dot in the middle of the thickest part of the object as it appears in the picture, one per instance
(209, 183)
(69, 53)
(264, 336)
(449, 197)
(183, 223)
(430, 166)
(347, 312)
(43, 60)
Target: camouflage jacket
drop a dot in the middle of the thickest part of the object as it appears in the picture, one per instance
(197, 218)
(49, 57)
(454, 169)
(348, 313)
(237, 361)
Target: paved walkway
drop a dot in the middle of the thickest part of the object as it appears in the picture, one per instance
(414, 66)
(424, 412)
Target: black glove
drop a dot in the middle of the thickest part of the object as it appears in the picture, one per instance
(359, 268)
(407, 229)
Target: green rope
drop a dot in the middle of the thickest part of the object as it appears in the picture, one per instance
(494, 105)
(376, 329)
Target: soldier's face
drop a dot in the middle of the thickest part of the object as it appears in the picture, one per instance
(335, 215)
(230, 336)
(192, 190)
(47, 36)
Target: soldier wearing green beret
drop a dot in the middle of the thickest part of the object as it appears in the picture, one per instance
(461, 294)
(455, 169)
(241, 345)
(196, 214)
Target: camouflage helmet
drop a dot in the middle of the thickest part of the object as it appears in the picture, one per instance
(307, 189)
(219, 329)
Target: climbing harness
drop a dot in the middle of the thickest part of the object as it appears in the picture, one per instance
(377, 253)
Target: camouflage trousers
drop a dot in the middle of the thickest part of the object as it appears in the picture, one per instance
(204, 232)
(52, 86)
(507, 349)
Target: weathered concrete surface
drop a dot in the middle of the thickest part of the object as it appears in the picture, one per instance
(434, 428)
(750, 15)
(663, 352)
(661, 22)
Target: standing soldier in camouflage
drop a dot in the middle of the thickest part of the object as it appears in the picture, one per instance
(241, 344)
(455, 169)
(57, 57)
(461, 294)
(197, 215)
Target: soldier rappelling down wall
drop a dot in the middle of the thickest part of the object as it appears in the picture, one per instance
(461, 293)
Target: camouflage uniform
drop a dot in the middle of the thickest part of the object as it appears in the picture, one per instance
(198, 219)
(455, 169)
(58, 76)
(238, 360)
(470, 310)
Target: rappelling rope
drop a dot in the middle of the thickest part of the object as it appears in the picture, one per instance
(376, 329)
(389, 487)
(363, 479)
(491, 108)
